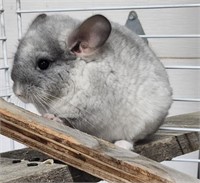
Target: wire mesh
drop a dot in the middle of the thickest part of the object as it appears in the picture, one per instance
(5, 91)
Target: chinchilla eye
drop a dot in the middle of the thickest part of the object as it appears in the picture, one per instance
(43, 64)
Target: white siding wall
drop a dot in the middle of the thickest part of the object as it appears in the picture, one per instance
(163, 21)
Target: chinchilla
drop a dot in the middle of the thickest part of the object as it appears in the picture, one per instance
(96, 75)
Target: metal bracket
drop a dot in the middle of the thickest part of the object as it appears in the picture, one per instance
(133, 23)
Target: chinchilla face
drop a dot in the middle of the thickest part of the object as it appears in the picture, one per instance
(41, 66)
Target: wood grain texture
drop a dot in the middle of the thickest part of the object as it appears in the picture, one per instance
(20, 172)
(82, 151)
(165, 145)
(191, 120)
(58, 172)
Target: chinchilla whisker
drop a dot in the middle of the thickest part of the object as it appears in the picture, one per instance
(57, 98)
(42, 101)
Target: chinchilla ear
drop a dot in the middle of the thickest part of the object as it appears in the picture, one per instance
(89, 36)
(39, 19)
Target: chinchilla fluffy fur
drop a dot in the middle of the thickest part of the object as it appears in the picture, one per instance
(96, 75)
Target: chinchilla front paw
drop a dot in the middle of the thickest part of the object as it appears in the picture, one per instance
(52, 117)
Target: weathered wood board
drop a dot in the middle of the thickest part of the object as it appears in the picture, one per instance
(83, 151)
(20, 172)
(165, 145)
(191, 120)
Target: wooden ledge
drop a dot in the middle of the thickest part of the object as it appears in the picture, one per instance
(166, 144)
(22, 173)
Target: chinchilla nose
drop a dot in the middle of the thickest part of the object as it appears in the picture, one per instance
(18, 90)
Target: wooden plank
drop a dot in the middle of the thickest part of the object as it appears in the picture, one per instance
(57, 172)
(21, 172)
(165, 145)
(83, 151)
(191, 120)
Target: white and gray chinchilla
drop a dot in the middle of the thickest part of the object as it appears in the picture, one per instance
(98, 77)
